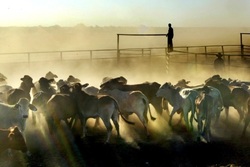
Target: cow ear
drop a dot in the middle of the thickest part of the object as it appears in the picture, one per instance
(10, 136)
(15, 129)
(85, 85)
(32, 107)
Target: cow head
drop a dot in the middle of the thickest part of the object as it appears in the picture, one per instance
(23, 106)
(45, 85)
(27, 83)
(50, 75)
(164, 90)
(113, 83)
(72, 79)
(16, 139)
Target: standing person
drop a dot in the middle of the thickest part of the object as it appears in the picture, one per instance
(170, 36)
(219, 64)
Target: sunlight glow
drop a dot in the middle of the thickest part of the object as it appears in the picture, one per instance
(124, 13)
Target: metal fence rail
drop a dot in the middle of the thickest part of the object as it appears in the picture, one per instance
(226, 50)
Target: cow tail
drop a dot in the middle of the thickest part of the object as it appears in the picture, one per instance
(119, 111)
(195, 117)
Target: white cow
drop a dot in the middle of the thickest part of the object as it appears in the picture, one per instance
(15, 115)
(131, 102)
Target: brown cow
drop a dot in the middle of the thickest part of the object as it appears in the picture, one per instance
(12, 138)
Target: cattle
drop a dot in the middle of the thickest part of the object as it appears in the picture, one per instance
(149, 89)
(204, 110)
(131, 102)
(3, 92)
(13, 95)
(232, 96)
(91, 90)
(44, 85)
(16, 114)
(182, 101)
(184, 84)
(49, 75)
(41, 97)
(69, 81)
(247, 119)
(12, 138)
(61, 107)
(240, 98)
(101, 106)
(3, 79)
(217, 105)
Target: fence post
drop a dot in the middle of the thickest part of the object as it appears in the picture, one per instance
(118, 49)
(91, 55)
(196, 62)
(222, 49)
(241, 46)
(206, 52)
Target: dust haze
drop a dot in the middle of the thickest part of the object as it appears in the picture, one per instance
(81, 37)
(137, 69)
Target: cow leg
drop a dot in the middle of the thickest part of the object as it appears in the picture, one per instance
(191, 122)
(185, 115)
(157, 104)
(241, 114)
(247, 120)
(227, 112)
(171, 117)
(151, 116)
(200, 126)
(49, 121)
(207, 128)
(108, 127)
(143, 118)
(83, 121)
(115, 121)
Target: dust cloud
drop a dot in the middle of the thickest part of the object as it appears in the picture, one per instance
(137, 69)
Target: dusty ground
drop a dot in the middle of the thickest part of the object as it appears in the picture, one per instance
(165, 147)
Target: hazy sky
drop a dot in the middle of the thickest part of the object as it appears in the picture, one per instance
(188, 13)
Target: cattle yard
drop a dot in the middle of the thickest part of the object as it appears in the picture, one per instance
(167, 146)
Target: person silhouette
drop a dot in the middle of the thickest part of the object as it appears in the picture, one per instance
(170, 36)
(219, 64)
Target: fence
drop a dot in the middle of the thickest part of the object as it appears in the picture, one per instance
(197, 51)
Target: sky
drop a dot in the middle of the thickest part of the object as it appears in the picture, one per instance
(156, 13)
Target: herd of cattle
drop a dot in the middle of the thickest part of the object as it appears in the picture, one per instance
(70, 101)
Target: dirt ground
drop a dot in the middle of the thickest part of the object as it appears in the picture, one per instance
(166, 146)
